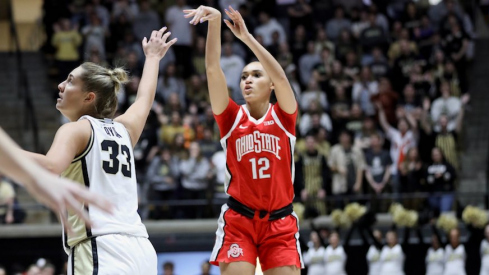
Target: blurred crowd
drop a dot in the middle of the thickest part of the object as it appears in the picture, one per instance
(381, 85)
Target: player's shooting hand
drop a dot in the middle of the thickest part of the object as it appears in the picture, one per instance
(61, 195)
(157, 46)
(202, 14)
(238, 27)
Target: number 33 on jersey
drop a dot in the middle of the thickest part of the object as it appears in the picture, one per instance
(259, 156)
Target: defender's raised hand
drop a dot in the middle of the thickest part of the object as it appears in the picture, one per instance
(202, 14)
(157, 45)
(238, 27)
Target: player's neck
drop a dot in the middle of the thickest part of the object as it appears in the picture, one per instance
(257, 109)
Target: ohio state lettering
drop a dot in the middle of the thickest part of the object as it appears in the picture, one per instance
(257, 142)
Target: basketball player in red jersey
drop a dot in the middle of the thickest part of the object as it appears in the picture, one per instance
(258, 138)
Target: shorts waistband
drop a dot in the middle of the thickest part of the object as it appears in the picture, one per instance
(259, 214)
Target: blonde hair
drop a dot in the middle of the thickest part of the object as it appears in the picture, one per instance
(106, 84)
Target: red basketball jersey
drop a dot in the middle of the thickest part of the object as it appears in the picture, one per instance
(259, 156)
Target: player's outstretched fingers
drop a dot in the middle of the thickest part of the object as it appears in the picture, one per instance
(189, 13)
(93, 200)
(154, 34)
(161, 31)
(165, 37)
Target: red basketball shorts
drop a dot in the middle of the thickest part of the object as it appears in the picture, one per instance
(239, 238)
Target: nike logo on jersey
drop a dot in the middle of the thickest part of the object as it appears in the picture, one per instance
(242, 127)
(257, 142)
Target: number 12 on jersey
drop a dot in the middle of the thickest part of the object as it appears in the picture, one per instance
(263, 164)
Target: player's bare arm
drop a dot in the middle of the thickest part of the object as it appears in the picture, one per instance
(218, 90)
(154, 49)
(70, 140)
(56, 193)
(283, 90)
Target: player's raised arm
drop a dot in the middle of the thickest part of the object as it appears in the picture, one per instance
(283, 90)
(154, 49)
(216, 81)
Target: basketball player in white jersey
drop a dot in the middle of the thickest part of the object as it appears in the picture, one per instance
(484, 250)
(51, 190)
(97, 152)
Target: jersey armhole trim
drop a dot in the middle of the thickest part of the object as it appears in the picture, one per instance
(236, 121)
(89, 145)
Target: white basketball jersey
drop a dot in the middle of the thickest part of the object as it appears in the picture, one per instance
(107, 168)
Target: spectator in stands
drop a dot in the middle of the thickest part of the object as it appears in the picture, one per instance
(197, 92)
(363, 89)
(299, 43)
(345, 44)
(161, 178)
(232, 65)
(307, 62)
(337, 24)
(379, 65)
(352, 66)
(456, 46)
(359, 21)
(300, 13)
(409, 101)
(363, 137)
(314, 118)
(267, 27)
(118, 28)
(208, 145)
(315, 257)
(411, 18)
(313, 175)
(237, 48)
(181, 30)
(373, 35)
(168, 268)
(378, 172)
(7, 197)
(458, 85)
(402, 139)
(169, 131)
(313, 94)
(387, 98)
(411, 171)
(66, 40)
(346, 163)
(169, 83)
(323, 42)
(443, 137)
(447, 105)
(423, 36)
(440, 177)
(94, 35)
(146, 20)
(195, 178)
(128, 8)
